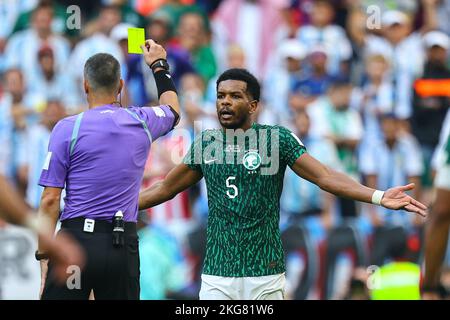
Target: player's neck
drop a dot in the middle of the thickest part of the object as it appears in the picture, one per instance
(244, 127)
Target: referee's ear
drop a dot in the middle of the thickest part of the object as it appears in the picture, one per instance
(121, 82)
(86, 86)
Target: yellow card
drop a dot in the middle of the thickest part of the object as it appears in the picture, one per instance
(136, 38)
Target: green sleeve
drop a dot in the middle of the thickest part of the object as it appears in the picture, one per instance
(291, 148)
(193, 159)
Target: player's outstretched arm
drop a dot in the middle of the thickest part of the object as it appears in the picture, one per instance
(342, 185)
(178, 179)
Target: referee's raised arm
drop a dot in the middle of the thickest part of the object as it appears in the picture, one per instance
(156, 58)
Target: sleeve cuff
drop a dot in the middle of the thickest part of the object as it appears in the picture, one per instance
(44, 183)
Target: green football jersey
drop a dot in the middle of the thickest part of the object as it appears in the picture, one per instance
(244, 177)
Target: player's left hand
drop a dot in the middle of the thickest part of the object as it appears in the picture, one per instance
(396, 199)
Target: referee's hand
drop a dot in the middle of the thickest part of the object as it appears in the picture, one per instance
(152, 52)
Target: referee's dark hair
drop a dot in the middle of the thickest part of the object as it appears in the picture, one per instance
(253, 87)
(102, 72)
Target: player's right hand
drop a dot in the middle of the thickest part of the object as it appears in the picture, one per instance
(152, 52)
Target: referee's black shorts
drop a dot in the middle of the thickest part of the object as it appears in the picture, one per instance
(111, 272)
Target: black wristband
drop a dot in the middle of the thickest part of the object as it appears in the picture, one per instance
(164, 82)
(160, 63)
(40, 256)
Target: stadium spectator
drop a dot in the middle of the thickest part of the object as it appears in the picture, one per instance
(375, 97)
(174, 216)
(343, 127)
(34, 150)
(164, 270)
(394, 159)
(397, 42)
(431, 105)
(99, 41)
(33, 39)
(16, 112)
(192, 36)
(356, 28)
(323, 32)
(160, 27)
(9, 11)
(443, 14)
(52, 84)
(283, 76)
(59, 25)
(253, 25)
(409, 6)
(303, 199)
(235, 58)
(315, 83)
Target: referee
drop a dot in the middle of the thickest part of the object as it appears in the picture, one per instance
(98, 156)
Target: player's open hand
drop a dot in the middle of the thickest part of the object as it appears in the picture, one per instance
(397, 199)
(152, 52)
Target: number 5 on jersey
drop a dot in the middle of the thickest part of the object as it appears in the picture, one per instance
(234, 192)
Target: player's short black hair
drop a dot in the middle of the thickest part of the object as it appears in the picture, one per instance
(102, 71)
(253, 87)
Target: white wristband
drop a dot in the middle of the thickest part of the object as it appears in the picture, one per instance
(377, 196)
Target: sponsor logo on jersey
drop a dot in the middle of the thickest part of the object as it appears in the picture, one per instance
(232, 148)
(159, 112)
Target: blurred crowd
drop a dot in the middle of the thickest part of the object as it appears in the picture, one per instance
(364, 84)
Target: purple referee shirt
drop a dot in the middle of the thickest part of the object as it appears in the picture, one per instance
(102, 171)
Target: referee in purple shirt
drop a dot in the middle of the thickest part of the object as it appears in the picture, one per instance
(98, 156)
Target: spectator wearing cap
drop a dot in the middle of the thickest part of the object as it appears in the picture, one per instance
(397, 43)
(40, 34)
(431, 95)
(323, 32)
(100, 41)
(283, 76)
(315, 83)
(50, 83)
